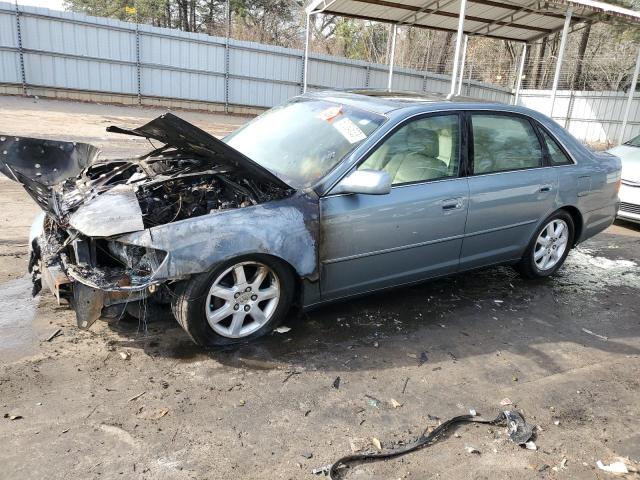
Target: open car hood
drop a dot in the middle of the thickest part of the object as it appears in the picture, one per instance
(49, 162)
(191, 174)
(176, 132)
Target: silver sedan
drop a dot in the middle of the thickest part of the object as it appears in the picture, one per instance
(329, 196)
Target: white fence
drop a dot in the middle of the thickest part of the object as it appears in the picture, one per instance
(53, 53)
(593, 117)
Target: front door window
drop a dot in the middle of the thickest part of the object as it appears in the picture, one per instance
(419, 151)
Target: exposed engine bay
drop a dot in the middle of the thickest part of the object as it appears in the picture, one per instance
(89, 203)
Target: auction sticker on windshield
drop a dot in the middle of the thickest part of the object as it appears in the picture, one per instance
(349, 130)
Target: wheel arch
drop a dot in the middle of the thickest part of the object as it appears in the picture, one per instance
(578, 222)
(295, 274)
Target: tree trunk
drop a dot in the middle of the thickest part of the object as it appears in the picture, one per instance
(444, 53)
(193, 16)
(183, 7)
(582, 48)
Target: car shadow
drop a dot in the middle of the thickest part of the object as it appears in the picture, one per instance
(491, 311)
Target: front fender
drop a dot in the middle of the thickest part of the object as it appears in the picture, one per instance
(287, 229)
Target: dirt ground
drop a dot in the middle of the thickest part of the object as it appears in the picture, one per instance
(565, 351)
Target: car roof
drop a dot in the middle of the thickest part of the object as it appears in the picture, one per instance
(385, 101)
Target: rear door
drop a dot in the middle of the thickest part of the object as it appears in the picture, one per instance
(412, 233)
(511, 188)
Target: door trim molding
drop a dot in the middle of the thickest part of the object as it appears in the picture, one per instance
(390, 250)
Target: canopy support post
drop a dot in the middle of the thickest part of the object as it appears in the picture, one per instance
(563, 44)
(464, 58)
(392, 55)
(305, 60)
(632, 91)
(456, 57)
(520, 71)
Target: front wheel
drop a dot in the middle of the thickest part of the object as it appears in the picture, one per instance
(238, 301)
(549, 248)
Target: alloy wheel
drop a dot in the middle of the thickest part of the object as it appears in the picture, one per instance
(242, 299)
(551, 244)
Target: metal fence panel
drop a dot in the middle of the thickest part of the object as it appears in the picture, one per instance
(180, 53)
(170, 83)
(592, 117)
(258, 93)
(329, 72)
(47, 34)
(8, 32)
(59, 71)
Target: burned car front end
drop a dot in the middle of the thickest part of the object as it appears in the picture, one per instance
(98, 276)
(95, 243)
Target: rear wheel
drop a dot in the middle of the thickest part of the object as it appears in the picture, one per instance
(238, 301)
(549, 248)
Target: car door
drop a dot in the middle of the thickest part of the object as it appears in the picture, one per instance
(511, 188)
(412, 233)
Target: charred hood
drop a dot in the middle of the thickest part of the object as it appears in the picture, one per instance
(192, 174)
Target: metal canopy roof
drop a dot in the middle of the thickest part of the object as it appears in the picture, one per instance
(518, 20)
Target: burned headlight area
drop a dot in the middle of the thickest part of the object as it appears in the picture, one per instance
(93, 274)
(112, 266)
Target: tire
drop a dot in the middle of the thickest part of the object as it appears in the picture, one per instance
(209, 306)
(536, 263)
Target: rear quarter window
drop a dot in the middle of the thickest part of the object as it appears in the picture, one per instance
(556, 154)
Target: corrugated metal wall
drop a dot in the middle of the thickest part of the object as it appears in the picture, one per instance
(79, 53)
(592, 117)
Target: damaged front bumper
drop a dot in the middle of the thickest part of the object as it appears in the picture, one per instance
(69, 270)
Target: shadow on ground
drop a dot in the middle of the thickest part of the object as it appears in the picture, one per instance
(490, 311)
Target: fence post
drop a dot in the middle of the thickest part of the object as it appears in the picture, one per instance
(563, 43)
(138, 70)
(21, 51)
(569, 109)
(226, 60)
(632, 91)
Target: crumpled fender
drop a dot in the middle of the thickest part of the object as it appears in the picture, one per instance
(287, 229)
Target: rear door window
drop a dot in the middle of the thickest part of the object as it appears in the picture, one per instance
(503, 143)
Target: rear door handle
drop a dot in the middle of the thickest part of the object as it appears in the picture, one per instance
(545, 188)
(452, 204)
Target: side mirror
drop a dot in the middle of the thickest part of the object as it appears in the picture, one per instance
(368, 182)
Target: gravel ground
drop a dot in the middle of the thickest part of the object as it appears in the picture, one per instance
(565, 351)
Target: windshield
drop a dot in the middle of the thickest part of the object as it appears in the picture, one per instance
(634, 142)
(301, 141)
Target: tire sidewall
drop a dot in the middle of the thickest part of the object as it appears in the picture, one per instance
(198, 294)
(561, 215)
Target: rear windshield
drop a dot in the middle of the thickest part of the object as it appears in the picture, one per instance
(301, 141)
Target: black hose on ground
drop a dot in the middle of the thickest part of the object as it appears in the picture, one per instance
(519, 432)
